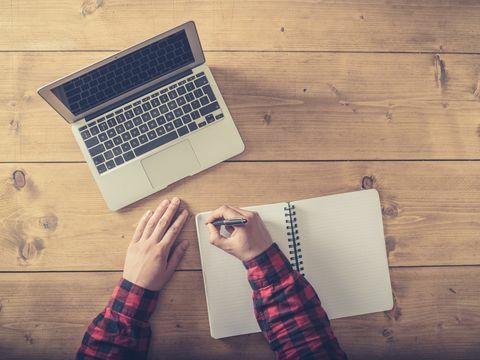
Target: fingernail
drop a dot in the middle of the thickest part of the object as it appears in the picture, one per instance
(176, 200)
(185, 212)
(164, 202)
(148, 213)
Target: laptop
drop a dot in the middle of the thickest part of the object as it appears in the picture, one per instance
(147, 117)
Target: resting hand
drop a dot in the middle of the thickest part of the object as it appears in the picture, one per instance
(148, 263)
(245, 241)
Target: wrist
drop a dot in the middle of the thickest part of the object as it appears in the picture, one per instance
(267, 268)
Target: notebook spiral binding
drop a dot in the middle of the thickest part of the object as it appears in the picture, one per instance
(295, 252)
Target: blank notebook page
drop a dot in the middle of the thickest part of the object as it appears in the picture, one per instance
(343, 251)
(229, 296)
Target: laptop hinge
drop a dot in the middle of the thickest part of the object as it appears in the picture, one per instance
(136, 95)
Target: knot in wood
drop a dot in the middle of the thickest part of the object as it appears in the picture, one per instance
(368, 182)
(19, 179)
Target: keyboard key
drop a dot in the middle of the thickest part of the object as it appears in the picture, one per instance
(190, 86)
(151, 135)
(94, 130)
(198, 93)
(111, 122)
(135, 132)
(110, 164)
(196, 104)
(192, 126)
(172, 105)
(178, 112)
(117, 151)
(209, 108)
(201, 81)
(181, 101)
(169, 127)
(109, 116)
(120, 129)
(186, 119)
(155, 113)
(143, 139)
(155, 102)
(111, 133)
(146, 107)
(102, 137)
(136, 103)
(178, 123)
(97, 150)
(161, 120)
(186, 108)
(119, 160)
(117, 140)
(209, 92)
(169, 116)
(219, 116)
(146, 117)
(181, 90)
(155, 143)
(98, 159)
(160, 131)
(202, 124)
(85, 134)
(195, 115)
(172, 94)
(129, 114)
(137, 121)
(200, 74)
(190, 78)
(126, 147)
(101, 168)
(190, 97)
(204, 100)
(108, 144)
(163, 99)
(183, 131)
(134, 143)
(163, 109)
(91, 142)
(128, 156)
(129, 125)
(143, 128)
(108, 155)
(126, 136)
(120, 118)
(152, 124)
(137, 110)
(83, 128)
(103, 126)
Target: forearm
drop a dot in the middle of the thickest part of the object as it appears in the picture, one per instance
(289, 311)
(121, 330)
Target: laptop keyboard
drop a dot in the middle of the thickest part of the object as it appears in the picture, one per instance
(152, 121)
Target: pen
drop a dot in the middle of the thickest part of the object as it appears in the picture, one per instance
(230, 222)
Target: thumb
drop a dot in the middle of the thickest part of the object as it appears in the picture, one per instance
(177, 256)
(215, 236)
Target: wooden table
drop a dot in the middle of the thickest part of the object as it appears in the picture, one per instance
(329, 96)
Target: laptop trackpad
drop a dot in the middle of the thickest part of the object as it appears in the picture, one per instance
(170, 165)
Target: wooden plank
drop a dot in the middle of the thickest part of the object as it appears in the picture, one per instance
(435, 317)
(376, 25)
(325, 107)
(53, 217)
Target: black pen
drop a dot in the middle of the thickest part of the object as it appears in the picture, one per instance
(229, 222)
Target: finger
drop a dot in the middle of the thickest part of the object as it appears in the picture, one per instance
(225, 212)
(215, 236)
(177, 256)
(152, 223)
(173, 231)
(137, 235)
(164, 221)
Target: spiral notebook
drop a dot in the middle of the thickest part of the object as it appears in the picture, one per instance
(336, 242)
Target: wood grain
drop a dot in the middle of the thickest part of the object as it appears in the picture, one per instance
(325, 107)
(435, 317)
(430, 209)
(364, 25)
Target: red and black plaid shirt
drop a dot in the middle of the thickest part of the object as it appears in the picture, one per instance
(286, 306)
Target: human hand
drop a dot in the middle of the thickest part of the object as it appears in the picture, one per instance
(148, 263)
(245, 241)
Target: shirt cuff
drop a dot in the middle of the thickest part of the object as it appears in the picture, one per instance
(268, 268)
(133, 301)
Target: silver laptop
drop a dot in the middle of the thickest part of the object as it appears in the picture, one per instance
(147, 116)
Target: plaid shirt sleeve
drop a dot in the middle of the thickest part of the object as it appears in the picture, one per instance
(121, 330)
(289, 311)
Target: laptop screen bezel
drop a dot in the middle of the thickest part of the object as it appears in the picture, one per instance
(46, 91)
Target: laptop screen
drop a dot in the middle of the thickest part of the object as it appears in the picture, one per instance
(126, 73)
